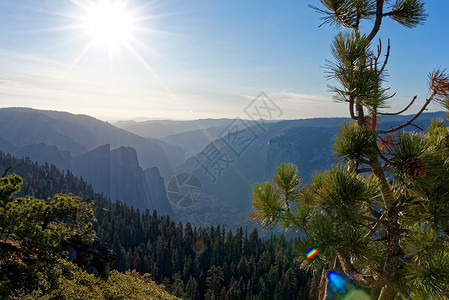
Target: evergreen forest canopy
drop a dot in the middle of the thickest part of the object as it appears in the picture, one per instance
(192, 263)
(380, 216)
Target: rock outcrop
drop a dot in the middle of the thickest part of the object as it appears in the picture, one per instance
(118, 175)
(306, 147)
(158, 193)
(96, 257)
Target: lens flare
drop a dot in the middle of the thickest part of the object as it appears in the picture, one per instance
(336, 281)
(344, 289)
(311, 253)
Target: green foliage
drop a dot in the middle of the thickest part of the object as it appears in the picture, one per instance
(335, 212)
(42, 225)
(9, 186)
(354, 143)
(214, 281)
(407, 145)
(268, 204)
(409, 13)
(347, 13)
(353, 69)
(331, 213)
(287, 182)
(63, 280)
(388, 231)
(428, 279)
(341, 193)
(349, 50)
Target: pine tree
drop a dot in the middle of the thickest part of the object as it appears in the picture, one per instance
(381, 215)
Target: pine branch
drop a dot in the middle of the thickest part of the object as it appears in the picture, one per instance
(403, 293)
(412, 119)
(378, 21)
(399, 112)
(422, 261)
(408, 13)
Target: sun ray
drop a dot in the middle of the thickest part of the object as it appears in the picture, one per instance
(82, 55)
(147, 66)
(109, 26)
(54, 29)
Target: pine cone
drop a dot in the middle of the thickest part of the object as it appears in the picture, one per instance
(414, 167)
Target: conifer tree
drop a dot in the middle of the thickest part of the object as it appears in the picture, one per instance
(381, 214)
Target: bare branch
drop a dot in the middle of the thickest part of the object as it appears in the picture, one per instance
(412, 119)
(376, 226)
(417, 127)
(376, 59)
(6, 172)
(368, 281)
(399, 112)
(379, 50)
(385, 159)
(386, 57)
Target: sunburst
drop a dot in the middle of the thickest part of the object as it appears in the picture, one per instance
(112, 25)
(108, 24)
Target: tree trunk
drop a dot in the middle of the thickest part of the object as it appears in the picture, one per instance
(392, 225)
(387, 293)
(322, 289)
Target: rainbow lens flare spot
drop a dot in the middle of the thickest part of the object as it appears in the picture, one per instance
(311, 253)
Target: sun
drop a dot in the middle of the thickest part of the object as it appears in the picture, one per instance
(108, 24)
(112, 25)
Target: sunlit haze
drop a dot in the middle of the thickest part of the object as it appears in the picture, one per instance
(174, 59)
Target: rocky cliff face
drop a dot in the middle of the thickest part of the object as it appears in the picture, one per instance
(95, 167)
(117, 174)
(158, 193)
(306, 147)
(128, 180)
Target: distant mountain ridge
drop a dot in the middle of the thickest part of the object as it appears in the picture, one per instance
(305, 143)
(82, 144)
(136, 170)
(79, 134)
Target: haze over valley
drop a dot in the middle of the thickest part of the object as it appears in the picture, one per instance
(133, 162)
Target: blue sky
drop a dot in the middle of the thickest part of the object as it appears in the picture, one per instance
(196, 59)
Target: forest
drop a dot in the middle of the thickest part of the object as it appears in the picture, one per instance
(192, 263)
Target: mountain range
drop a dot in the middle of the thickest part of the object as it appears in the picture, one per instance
(208, 166)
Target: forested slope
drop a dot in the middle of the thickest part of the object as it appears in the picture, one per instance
(193, 263)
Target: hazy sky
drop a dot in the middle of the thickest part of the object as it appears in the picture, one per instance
(193, 59)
